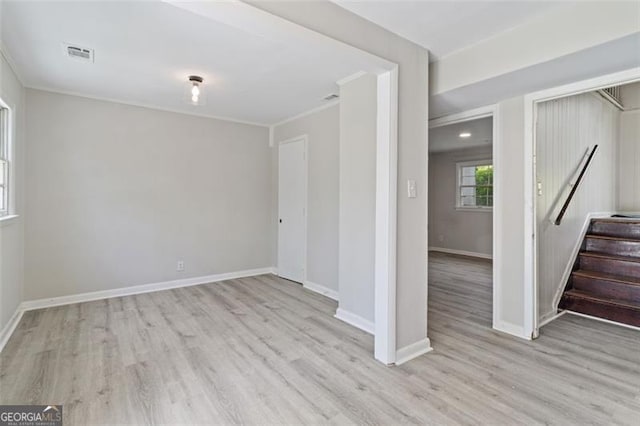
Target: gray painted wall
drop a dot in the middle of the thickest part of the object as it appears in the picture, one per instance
(449, 228)
(12, 231)
(509, 243)
(323, 132)
(356, 264)
(118, 194)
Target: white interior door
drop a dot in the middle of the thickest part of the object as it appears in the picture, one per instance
(292, 201)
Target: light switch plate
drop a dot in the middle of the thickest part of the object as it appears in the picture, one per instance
(411, 189)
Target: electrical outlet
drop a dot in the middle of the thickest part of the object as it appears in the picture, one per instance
(180, 266)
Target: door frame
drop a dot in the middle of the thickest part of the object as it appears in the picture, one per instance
(386, 222)
(498, 204)
(531, 320)
(305, 140)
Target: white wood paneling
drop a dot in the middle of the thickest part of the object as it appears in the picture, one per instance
(567, 129)
(629, 161)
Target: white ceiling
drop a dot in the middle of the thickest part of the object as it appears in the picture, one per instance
(607, 58)
(257, 67)
(447, 138)
(446, 26)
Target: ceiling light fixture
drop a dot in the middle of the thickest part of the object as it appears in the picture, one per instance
(194, 94)
(465, 135)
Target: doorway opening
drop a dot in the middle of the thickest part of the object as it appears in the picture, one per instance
(587, 198)
(336, 203)
(532, 282)
(461, 223)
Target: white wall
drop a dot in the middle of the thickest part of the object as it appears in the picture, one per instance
(451, 228)
(118, 194)
(629, 162)
(356, 261)
(630, 96)
(12, 231)
(567, 127)
(331, 20)
(323, 132)
(629, 150)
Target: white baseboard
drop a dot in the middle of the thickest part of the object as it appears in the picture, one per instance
(325, 291)
(355, 320)
(512, 329)
(619, 324)
(139, 289)
(461, 252)
(412, 351)
(547, 319)
(119, 292)
(10, 327)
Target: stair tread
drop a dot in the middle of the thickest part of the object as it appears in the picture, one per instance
(608, 237)
(609, 277)
(610, 256)
(605, 300)
(634, 221)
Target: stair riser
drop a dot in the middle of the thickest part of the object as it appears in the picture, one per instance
(619, 314)
(610, 266)
(621, 248)
(616, 229)
(607, 289)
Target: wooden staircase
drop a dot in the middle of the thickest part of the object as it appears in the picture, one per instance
(605, 282)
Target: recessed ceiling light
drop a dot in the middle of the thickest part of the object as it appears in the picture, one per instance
(465, 134)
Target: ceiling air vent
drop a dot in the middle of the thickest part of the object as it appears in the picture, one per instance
(79, 53)
(331, 97)
(612, 94)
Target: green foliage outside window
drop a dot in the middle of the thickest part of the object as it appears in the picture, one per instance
(484, 186)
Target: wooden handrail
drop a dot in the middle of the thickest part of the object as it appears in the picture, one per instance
(565, 206)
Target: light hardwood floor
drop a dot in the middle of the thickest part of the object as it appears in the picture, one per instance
(266, 351)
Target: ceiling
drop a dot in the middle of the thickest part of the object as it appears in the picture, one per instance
(446, 26)
(447, 138)
(607, 58)
(256, 67)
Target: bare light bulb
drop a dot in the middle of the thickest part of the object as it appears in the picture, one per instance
(193, 93)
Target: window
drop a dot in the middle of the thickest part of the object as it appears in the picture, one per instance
(475, 185)
(4, 160)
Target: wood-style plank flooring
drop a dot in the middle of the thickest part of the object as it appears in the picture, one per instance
(266, 351)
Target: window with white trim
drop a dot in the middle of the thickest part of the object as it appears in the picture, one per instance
(475, 185)
(4, 161)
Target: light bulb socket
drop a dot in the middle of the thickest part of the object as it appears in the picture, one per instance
(193, 91)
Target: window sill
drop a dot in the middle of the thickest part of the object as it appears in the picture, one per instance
(475, 209)
(8, 220)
